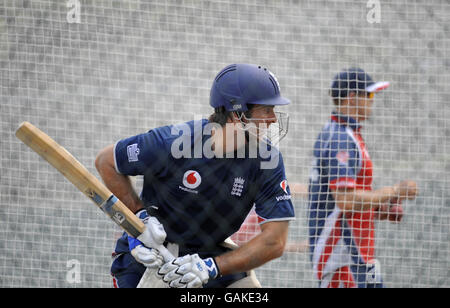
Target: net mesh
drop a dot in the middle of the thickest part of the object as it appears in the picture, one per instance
(89, 73)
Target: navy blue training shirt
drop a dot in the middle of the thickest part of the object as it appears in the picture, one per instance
(200, 201)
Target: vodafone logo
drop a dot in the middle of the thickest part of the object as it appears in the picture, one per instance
(287, 196)
(191, 179)
(284, 185)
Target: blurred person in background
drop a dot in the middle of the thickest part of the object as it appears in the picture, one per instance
(342, 203)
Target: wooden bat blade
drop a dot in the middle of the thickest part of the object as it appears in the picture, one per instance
(79, 176)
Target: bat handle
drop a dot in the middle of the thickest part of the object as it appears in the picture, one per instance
(167, 255)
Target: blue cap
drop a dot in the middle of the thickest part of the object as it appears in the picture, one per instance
(354, 80)
(238, 85)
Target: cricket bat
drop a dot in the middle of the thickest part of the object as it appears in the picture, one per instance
(86, 182)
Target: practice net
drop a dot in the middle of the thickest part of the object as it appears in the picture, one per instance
(89, 73)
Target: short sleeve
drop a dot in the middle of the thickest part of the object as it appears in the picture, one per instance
(142, 153)
(273, 200)
(343, 164)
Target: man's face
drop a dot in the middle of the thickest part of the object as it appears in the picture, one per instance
(262, 122)
(364, 105)
(358, 105)
(256, 122)
(261, 116)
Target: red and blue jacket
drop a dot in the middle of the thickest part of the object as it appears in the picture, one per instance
(341, 244)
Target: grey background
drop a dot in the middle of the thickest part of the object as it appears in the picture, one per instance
(132, 65)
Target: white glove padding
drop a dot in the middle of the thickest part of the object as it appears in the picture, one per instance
(154, 235)
(189, 271)
(149, 257)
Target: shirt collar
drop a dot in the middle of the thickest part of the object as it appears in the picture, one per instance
(346, 120)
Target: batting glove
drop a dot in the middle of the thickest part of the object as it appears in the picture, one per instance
(189, 271)
(144, 255)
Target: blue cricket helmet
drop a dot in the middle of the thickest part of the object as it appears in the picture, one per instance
(238, 85)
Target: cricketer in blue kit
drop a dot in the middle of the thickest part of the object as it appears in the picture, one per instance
(201, 186)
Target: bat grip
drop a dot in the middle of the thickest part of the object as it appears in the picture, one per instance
(167, 255)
